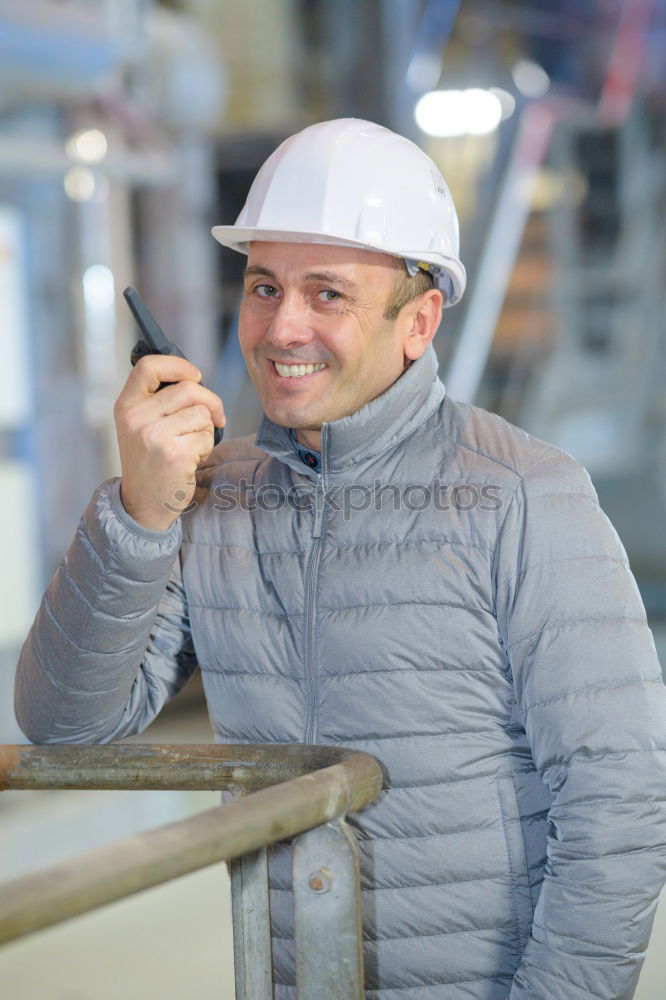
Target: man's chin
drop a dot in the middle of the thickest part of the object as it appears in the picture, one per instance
(284, 417)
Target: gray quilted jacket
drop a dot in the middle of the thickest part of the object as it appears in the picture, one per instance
(446, 595)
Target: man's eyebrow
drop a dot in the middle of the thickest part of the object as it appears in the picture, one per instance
(331, 278)
(263, 272)
(326, 277)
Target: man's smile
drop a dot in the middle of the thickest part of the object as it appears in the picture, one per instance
(295, 373)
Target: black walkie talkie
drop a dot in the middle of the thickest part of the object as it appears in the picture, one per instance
(153, 340)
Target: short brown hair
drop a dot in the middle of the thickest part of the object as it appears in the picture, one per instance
(406, 288)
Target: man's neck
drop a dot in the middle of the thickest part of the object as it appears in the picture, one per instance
(309, 439)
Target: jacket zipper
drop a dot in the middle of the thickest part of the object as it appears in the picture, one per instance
(310, 604)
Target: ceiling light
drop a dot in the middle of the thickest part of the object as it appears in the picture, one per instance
(424, 71)
(79, 184)
(530, 78)
(445, 113)
(507, 100)
(483, 109)
(98, 287)
(88, 145)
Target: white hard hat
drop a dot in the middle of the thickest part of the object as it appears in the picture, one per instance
(353, 183)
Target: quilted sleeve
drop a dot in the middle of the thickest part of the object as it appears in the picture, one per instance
(111, 641)
(589, 690)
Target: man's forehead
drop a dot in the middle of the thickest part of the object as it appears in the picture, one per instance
(304, 257)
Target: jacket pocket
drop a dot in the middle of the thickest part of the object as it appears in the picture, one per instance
(516, 859)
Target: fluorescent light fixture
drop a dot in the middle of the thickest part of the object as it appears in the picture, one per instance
(530, 78)
(88, 145)
(448, 113)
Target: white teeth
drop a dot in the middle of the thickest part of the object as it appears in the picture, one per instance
(291, 371)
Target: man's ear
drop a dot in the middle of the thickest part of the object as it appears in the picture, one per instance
(422, 319)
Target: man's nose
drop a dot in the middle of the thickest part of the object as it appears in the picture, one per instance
(290, 323)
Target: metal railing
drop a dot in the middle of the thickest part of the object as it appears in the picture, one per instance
(282, 792)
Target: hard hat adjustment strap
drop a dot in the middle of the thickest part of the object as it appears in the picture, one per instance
(418, 265)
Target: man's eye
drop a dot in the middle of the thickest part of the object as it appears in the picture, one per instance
(267, 291)
(330, 295)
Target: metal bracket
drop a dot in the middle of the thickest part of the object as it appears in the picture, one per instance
(327, 914)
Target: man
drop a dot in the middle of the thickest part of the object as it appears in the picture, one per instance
(388, 569)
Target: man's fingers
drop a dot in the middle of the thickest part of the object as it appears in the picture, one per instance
(190, 420)
(145, 404)
(181, 396)
(153, 369)
(170, 437)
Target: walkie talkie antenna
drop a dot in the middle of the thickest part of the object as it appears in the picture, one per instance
(150, 328)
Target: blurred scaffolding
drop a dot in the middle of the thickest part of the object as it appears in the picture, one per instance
(129, 127)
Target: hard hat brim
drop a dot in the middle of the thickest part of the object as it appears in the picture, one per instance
(239, 239)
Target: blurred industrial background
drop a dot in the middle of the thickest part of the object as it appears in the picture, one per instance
(127, 129)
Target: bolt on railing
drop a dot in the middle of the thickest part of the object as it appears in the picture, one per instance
(300, 792)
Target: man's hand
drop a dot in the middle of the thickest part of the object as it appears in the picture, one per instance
(163, 436)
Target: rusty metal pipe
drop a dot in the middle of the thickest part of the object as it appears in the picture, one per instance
(229, 831)
(188, 766)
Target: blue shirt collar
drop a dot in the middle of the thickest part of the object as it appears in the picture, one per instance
(308, 456)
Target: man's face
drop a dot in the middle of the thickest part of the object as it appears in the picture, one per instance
(317, 304)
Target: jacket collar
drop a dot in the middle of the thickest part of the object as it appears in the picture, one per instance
(375, 428)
